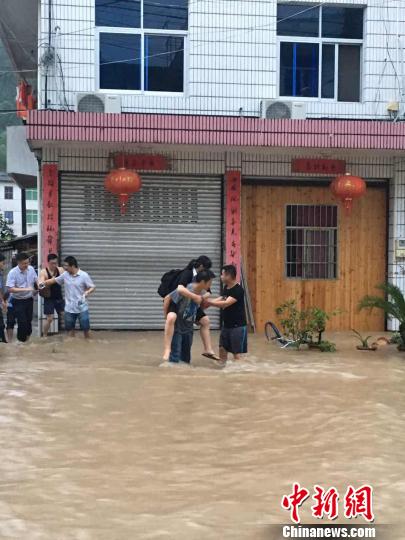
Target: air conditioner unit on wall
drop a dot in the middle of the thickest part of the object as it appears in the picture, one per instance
(97, 102)
(275, 109)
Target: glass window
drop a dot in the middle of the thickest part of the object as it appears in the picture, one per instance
(299, 67)
(9, 217)
(31, 194)
(164, 60)
(297, 20)
(32, 217)
(120, 61)
(349, 73)
(165, 15)
(321, 68)
(311, 242)
(343, 23)
(123, 64)
(120, 13)
(8, 192)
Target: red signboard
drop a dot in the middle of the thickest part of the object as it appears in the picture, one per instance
(142, 162)
(318, 166)
(233, 217)
(50, 210)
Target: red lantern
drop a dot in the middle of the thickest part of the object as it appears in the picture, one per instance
(123, 182)
(347, 188)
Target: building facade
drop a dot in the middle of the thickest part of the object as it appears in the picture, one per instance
(237, 115)
(15, 210)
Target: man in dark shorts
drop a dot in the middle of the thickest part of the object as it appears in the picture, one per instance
(53, 298)
(233, 337)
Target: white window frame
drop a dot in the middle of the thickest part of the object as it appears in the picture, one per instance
(319, 40)
(31, 212)
(141, 32)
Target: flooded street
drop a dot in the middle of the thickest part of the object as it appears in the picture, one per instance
(101, 442)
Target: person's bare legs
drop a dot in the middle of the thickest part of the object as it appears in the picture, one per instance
(204, 323)
(47, 324)
(169, 331)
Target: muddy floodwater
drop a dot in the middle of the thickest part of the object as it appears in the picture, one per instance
(98, 441)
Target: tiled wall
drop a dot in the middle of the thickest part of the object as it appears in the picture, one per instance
(231, 57)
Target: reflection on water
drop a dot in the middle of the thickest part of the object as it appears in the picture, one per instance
(98, 441)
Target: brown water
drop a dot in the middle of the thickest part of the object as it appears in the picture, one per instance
(98, 441)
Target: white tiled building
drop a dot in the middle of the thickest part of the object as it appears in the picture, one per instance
(209, 87)
(11, 206)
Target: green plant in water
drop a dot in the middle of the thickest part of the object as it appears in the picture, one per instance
(363, 340)
(305, 327)
(294, 323)
(327, 346)
(393, 305)
(317, 321)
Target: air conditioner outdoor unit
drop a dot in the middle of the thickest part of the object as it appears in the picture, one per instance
(97, 102)
(272, 109)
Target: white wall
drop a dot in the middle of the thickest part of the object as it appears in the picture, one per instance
(232, 59)
(14, 205)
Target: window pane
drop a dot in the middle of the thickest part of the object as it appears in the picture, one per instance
(349, 73)
(31, 194)
(164, 63)
(120, 61)
(297, 20)
(299, 69)
(9, 217)
(121, 13)
(338, 22)
(165, 15)
(328, 71)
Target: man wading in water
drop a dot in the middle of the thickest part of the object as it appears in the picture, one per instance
(184, 279)
(53, 298)
(22, 282)
(78, 285)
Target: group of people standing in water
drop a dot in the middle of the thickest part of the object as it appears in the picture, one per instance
(186, 296)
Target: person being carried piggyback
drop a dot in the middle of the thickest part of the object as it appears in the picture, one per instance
(187, 301)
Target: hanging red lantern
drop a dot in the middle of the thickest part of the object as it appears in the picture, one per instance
(123, 182)
(347, 188)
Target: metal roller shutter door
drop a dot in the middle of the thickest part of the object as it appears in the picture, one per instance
(170, 221)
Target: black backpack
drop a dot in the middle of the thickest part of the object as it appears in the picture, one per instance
(169, 282)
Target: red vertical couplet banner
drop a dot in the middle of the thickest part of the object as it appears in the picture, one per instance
(50, 211)
(233, 218)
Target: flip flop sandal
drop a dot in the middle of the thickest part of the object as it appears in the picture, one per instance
(212, 356)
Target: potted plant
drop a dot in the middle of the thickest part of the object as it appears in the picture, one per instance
(301, 327)
(393, 305)
(294, 323)
(317, 320)
(364, 342)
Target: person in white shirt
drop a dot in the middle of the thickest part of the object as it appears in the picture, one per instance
(78, 285)
(22, 282)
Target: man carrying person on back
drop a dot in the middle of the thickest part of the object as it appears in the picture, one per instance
(78, 285)
(53, 298)
(22, 282)
(184, 278)
(187, 301)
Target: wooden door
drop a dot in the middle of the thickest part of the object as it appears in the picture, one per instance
(361, 255)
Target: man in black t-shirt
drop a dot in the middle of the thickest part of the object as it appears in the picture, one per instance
(233, 337)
